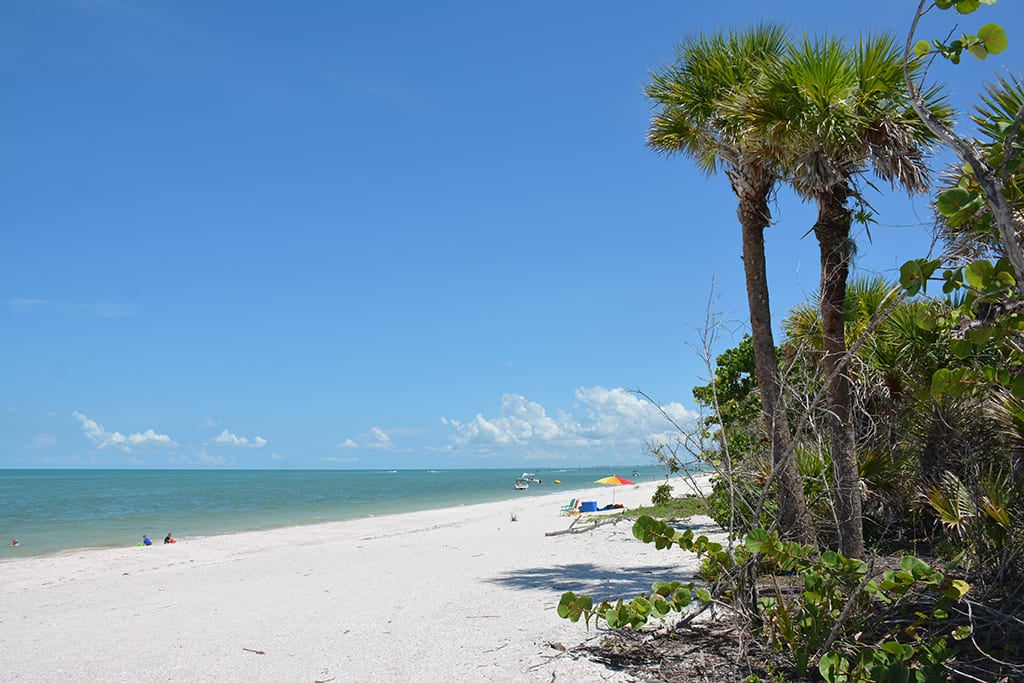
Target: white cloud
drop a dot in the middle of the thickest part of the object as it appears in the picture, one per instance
(375, 439)
(521, 421)
(276, 456)
(605, 418)
(612, 412)
(229, 439)
(380, 439)
(102, 438)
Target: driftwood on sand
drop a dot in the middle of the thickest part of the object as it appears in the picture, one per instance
(590, 525)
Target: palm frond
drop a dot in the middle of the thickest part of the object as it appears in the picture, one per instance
(952, 502)
(1000, 106)
(710, 69)
(1007, 411)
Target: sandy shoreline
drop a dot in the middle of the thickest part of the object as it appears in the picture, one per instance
(459, 593)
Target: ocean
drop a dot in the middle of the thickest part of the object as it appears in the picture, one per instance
(50, 511)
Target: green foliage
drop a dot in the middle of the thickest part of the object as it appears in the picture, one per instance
(665, 597)
(963, 204)
(823, 620)
(734, 405)
(922, 661)
(908, 653)
(673, 508)
(733, 501)
(662, 495)
(914, 275)
(983, 351)
(983, 519)
(990, 39)
(734, 387)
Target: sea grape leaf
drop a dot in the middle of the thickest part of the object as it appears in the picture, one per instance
(994, 38)
(979, 273)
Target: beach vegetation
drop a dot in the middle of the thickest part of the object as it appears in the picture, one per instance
(681, 508)
(893, 419)
(662, 494)
(834, 112)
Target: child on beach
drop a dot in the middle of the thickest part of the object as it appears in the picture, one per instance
(145, 540)
(168, 539)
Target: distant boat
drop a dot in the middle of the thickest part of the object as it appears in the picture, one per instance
(521, 485)
(530, 478)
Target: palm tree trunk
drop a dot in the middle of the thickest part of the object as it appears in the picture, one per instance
(833, 233)
(754, 218)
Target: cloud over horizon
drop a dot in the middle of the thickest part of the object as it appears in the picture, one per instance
(102, 438)
(228, 439)
(601, 419)
(375, 439)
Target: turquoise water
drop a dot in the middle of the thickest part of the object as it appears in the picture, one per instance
(53, 510)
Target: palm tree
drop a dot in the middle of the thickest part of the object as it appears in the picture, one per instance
(831, 113)
(692, 118)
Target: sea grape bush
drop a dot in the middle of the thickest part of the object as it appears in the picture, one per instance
(816, 608)
(974, 340)
(990, 39)
(665, 597)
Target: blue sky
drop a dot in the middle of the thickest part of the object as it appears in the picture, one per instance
(388, 234)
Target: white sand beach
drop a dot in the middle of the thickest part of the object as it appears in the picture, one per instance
(456, 594)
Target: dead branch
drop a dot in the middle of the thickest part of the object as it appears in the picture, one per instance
(590, 526)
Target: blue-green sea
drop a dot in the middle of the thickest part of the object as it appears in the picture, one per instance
(49, 511)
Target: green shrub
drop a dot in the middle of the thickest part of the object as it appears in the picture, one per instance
(852, 627)
(662, 495)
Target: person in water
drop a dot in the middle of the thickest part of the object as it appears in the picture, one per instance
(14, 543)
(145, 540)
(168, 539)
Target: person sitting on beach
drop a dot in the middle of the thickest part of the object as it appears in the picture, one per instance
(145, 540)
(168, 539)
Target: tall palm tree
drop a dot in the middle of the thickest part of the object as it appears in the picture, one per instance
(831, 113)
(692, 118)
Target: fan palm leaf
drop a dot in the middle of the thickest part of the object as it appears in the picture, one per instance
(952, 502)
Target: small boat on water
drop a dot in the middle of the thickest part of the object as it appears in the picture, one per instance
(530, 478)
(521, 485)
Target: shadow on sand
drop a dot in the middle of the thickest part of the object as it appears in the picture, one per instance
(600, 582)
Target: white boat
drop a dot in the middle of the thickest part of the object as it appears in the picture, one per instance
(530, 478)
(521, 485)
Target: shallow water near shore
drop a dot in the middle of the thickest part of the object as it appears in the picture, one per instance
(49, 511)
